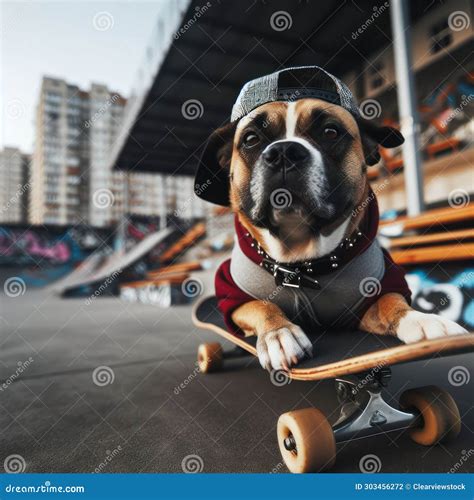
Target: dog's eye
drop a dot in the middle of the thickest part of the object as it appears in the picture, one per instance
(250, 139)
(330, 133)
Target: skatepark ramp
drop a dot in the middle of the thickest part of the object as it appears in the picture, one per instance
(95, 269)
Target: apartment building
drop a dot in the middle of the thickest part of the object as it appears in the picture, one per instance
(14, 186)
(70, 180)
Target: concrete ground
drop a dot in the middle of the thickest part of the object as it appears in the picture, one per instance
(113, 387)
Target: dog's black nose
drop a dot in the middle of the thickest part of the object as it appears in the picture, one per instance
(285, 154)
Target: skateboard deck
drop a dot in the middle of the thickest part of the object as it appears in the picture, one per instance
(339, 353)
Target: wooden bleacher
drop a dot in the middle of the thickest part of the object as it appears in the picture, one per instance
(442, 253)
(433, 217)
(175, 269)
(187, 240)
(441, 243)
(449, 144)
(417, 240)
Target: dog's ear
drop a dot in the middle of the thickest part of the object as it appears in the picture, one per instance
(212, 176)
(373, 135)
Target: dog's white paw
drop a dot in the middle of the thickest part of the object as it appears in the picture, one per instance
(416, 326)
(279, 349)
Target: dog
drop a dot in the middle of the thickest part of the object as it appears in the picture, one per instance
(292, 165)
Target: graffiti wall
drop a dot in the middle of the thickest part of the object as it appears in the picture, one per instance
(42, 254)
(447, 291)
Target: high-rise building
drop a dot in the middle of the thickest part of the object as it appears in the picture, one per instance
(14, 186)
(106, 187)
(70, 179)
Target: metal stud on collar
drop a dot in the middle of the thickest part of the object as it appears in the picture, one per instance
(287, 275)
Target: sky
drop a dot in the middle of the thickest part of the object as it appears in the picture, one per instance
(80, 41)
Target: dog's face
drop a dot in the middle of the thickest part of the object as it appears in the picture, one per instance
(297, 169)
(301, 162)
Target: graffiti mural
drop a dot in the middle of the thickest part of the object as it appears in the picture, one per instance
(28, 245)
(447, 292)
(42, 254)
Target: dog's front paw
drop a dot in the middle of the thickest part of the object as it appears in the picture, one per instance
(416, 326)
(283, 347)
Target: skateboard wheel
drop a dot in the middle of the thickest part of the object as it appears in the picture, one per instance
(440, 416)
(306, 441)
(209, 357)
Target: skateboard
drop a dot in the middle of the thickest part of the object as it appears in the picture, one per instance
(306, 439)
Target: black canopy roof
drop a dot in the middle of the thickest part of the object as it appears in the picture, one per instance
(232, 42)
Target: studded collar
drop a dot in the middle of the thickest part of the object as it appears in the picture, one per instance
(305, 273)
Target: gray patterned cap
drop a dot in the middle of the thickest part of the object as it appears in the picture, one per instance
(291, 84)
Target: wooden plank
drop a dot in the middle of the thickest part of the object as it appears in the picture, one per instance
(176, 268)
(459, 251)
(433, 217)
(185, 241)
(416, 240)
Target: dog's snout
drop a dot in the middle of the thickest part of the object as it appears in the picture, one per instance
(285, 154)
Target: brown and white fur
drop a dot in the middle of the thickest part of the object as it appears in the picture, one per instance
(328, 185)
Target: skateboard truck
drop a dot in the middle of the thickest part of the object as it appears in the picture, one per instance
(364, 412)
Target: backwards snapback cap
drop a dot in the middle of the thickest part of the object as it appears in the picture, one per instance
(287, 85)
(291, 84)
